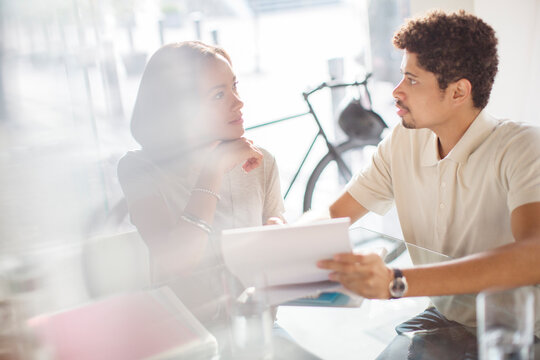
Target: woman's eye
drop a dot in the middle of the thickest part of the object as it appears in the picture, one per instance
(219, 95)
(412, 81)
(235, 86)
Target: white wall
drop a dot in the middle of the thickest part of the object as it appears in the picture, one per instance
(419, 7)
(516, 92)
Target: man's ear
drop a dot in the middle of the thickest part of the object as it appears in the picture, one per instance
(461, 91)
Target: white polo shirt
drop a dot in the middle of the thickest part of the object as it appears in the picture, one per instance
(461, 204)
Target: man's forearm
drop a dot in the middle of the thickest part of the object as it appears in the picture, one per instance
(511, 265)
(347, 206)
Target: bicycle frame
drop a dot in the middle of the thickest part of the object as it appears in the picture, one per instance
(344, 170)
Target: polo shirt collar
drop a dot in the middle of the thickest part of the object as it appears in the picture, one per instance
(476, 134)
(430, 152)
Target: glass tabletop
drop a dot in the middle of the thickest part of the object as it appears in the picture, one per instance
(369, 330)
(365, 330)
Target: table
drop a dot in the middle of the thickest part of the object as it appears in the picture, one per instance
(301, 333)
(365, 332)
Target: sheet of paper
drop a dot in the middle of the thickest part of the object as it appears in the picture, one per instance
(283, 254)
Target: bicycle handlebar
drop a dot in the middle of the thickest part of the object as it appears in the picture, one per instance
(311, 111)
(332, 85)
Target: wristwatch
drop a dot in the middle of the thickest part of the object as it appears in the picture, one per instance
(398, 286)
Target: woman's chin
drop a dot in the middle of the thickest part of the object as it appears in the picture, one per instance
(233, 135)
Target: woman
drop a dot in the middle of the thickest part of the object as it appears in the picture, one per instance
(195, 173)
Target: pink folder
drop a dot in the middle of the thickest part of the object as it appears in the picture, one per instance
(131, 326)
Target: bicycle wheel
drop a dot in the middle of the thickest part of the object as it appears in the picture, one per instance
(327, 181)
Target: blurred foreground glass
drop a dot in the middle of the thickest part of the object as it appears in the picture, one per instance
(506, 324)
(251, 321)
(21, 292)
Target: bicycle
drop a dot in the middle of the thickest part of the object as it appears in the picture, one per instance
(363, 127)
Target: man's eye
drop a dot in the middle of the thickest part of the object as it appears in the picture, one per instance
(412, 81)
(219, 95)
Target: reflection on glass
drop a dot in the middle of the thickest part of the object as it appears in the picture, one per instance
(69, 74)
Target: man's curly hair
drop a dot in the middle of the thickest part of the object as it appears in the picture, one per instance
(453, 46)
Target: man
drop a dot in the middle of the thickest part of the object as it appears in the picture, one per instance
(464, 184)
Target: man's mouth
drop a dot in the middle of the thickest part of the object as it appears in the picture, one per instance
(402, 109)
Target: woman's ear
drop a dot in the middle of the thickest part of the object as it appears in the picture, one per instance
(462, 91)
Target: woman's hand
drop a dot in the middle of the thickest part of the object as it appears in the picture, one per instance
(274, 220)
(228, 154)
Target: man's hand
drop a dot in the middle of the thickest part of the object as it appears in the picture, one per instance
(366, 275)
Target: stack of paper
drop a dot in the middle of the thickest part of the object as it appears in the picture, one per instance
(285, 256)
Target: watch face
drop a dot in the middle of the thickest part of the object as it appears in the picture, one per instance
(398, 287)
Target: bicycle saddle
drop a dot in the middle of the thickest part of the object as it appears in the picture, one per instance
(360, 123)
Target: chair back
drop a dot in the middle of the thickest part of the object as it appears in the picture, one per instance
(116, 263)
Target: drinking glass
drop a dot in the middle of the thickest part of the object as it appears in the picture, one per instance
(506, 324)
(251, 321)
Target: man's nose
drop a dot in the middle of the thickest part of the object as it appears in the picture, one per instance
(397, 93)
